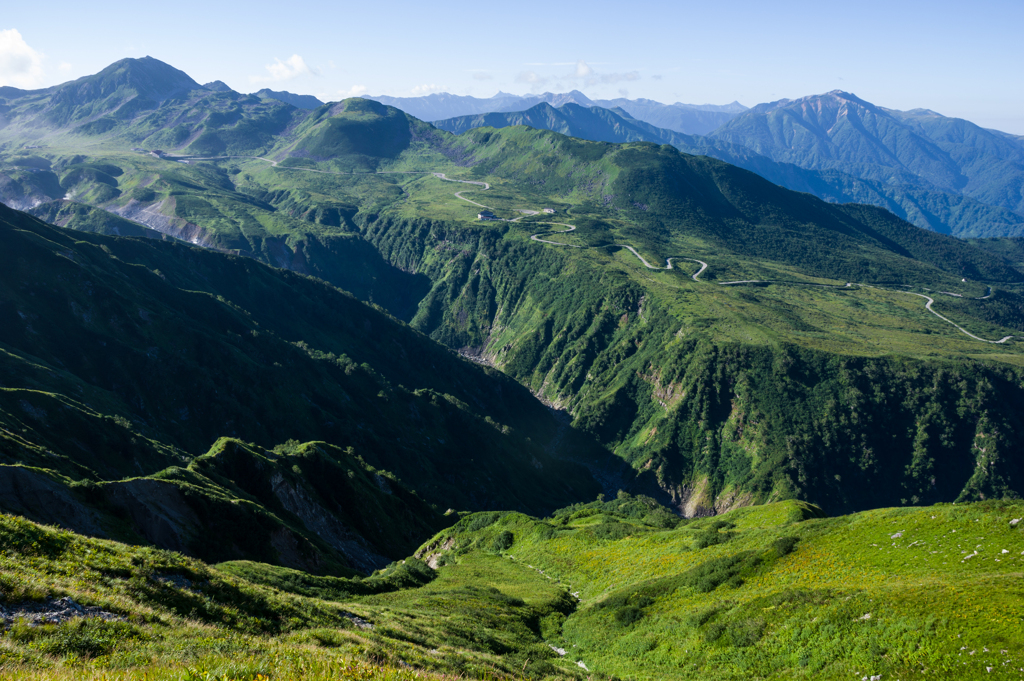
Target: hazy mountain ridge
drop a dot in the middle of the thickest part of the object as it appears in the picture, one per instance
(926, 206)
(839, 131)
(300, 101)
(685, 118)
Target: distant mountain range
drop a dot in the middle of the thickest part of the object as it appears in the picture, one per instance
(840, 131)
(944, 174)
(298, 101)
(693, 119)
(940, 173)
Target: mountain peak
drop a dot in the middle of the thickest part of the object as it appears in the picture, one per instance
(217, 86)
(298, 101)
(150, 77)
(146, 78)
(844, 96)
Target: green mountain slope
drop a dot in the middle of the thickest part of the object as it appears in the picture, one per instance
(608, 589)
(129, 357)
(729, 393)
(122, 89)
(664, 195)
(85, 218)
(85, 608)
(771, 592)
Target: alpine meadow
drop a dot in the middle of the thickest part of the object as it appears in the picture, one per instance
(548, 388)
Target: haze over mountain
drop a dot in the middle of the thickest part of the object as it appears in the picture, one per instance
(686, 118)
(839, 131)
(300, 101)
(944, 208)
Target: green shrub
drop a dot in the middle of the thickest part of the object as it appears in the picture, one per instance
(710, 537)
(612, 530)
(81, 637)
(479, 521)
(544, 532)
(702, 617)
(714, 631)
(783, 546)
(504, 541)
(746, 633)
(628, 615)
(144, 194)
(635, 646)
(551, 626)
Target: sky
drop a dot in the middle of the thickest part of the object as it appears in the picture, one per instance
(959, 59)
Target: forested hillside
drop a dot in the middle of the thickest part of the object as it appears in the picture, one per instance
(127, 359)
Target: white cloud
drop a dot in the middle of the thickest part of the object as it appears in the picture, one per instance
(482, 75)
(421, 90)
(20, 65)
(583, 75)
(64, 67)
(531, 77)
(292, 67)
(623, 92)
(610, 78)
(354, 91)
(583, 70)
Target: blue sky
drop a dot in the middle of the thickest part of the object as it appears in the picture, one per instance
(958, 59)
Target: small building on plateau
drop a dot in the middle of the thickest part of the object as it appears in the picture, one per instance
(549, 210)
(486, 215)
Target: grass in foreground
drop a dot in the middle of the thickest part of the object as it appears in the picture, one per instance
(178, 618)
(611, 589)
(772, 592)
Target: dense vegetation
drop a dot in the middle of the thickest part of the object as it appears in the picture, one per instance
(616, 588)
(774, 591)
(173, 617)
(128, 357)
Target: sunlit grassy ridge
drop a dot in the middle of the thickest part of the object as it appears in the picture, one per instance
(622, 586)
(765, 593)
(182, 619)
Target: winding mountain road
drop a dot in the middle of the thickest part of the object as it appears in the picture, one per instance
(571, 228)
(274, 164)
(704, 266)
(931, 301)
(668, 261)
(537, 236)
